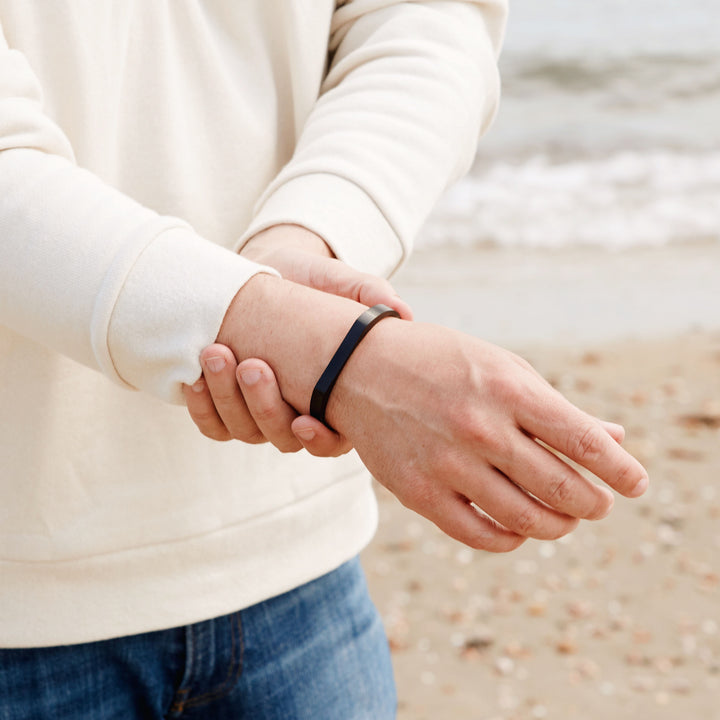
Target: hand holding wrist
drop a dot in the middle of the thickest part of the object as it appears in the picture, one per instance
(223, 408)
(293, 328)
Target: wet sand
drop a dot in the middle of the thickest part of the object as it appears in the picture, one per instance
(619, 620)
(574, 296)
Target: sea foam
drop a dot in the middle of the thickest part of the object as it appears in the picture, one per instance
(628, 199)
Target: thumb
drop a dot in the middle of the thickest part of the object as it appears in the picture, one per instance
(375, 291)
(335, 277)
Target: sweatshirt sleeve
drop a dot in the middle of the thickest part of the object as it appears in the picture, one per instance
(409, 89)
(89, 272)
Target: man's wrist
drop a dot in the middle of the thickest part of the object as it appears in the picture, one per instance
(359, 329)
(359, 382)
(293, 328)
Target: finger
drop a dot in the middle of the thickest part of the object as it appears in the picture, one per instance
(457, 517)
(318, 439)
(370, 290)
(370, 295)
(202, 411)
(549, 478)
(513, 508)
(219, 367)
(272, 415)
(582, 438)
(334, 276)
(616, 432)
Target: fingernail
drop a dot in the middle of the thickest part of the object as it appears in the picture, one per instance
(250, 377)
(641, 487)
(216, 363)
(306, 434)
(199, 386)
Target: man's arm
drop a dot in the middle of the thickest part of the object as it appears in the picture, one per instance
(88, 271)
(409, 89)
(447, 422)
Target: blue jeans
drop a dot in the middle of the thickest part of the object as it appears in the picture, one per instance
(317, 652)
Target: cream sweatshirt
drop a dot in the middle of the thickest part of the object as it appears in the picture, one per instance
(141, 141)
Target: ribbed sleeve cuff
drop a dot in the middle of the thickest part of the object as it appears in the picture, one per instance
(170, 306)
(341, 213)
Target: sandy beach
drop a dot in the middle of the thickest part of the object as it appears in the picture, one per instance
(622, 618)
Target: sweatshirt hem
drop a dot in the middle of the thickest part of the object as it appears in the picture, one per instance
(175, 584)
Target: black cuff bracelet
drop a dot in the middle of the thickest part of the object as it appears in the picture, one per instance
(360, 328)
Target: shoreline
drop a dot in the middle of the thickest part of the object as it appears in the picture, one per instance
(568, 297)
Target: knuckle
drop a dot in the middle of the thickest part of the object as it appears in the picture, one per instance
(484, 434)
(469, 425)
(526, 522)
(265, 413)
(475, 429)
(223, 395)
(509, 386)
(587, 444)
(560, 490)
(626, 477)
(419, 496)
(251, 437)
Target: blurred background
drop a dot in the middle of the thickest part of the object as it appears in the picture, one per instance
(597, 188)
(586, 238)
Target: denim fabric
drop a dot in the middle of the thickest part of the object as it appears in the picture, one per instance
(318, 652)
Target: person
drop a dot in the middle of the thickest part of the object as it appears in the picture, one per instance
(171, 173)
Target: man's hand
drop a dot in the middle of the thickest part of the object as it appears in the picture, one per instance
(243, 402)
(462, 431)
(470, 425)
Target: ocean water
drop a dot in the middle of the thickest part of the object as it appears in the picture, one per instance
(608, 134)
